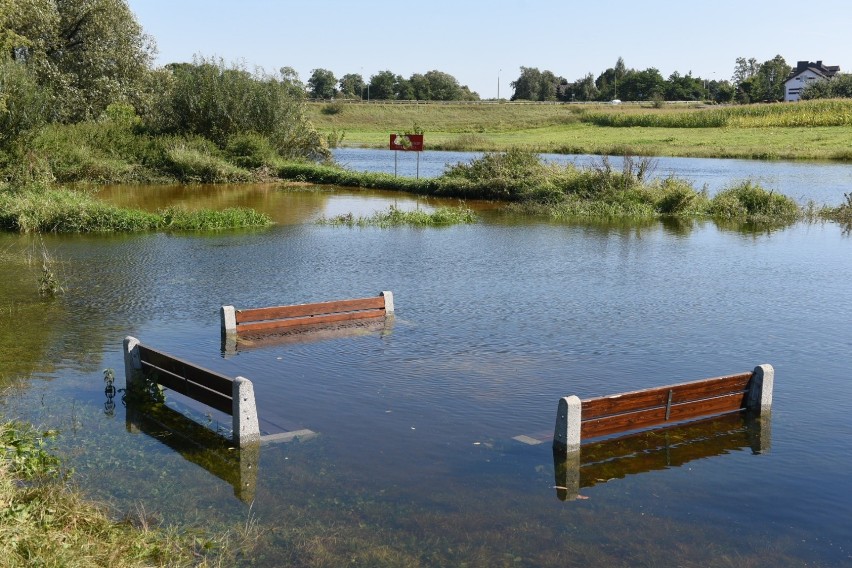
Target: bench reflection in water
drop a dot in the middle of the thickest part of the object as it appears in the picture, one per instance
(661, 448)
(199, 445)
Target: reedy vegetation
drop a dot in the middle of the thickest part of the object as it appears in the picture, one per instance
(396, 217)
(561, 191)
(67, 211)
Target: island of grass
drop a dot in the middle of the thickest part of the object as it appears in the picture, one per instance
(528, 185)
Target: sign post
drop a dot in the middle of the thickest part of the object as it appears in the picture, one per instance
(406, 143)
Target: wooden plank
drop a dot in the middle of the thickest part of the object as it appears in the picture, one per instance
(191, 389)
(623, 422)
(302, 310)
(178, 367)
(649, 398)
(311, 320)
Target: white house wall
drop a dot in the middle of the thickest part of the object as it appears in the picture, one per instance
(793, 87)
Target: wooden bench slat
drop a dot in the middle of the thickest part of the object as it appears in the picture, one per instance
(301, 310)
(682, 392)
(210, 379)
(312, 320)
(192, 389)
(656, 416)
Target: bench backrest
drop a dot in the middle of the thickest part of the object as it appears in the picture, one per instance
(265, 319)
(207, 387)
(231, 396)
(582, 419)
(651, 407)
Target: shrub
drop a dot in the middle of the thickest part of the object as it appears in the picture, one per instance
(750, 202)
(215, 101)
(251, 150)
(675, 197)
(197, 160)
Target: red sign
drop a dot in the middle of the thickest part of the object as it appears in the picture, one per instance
(406, 142)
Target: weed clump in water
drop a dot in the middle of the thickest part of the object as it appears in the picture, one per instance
(396, 217)
(750, 202)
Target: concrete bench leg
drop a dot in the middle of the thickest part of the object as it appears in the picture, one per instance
(245, 425)
(132, 362)
(566, 435)
(760, 389)
(388, 296)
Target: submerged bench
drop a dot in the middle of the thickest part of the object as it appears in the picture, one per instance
(231, 396)
(282, 317)
(577, 420)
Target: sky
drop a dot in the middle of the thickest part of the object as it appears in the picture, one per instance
(484, 43)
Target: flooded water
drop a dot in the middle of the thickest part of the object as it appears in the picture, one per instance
(822, 183)
(414, 461)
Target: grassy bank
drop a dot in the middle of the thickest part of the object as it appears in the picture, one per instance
(60, 210)
(44, 522)
(814, 130)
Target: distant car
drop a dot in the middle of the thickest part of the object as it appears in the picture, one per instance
(615, 102)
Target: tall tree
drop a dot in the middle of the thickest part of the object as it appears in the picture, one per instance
(585, 89)
(89, 53)
(607, 82)
(383, 85)
(352, 86)
(684, 87)
(771, 77)
(527, 85)
(322, 83)
(744, 69)
(641, 85)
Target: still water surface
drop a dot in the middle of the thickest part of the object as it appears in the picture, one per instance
(414, 461)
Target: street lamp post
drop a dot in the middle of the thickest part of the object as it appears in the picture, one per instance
(498, 83)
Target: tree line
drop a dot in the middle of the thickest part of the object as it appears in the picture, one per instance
(430, 86)
(751, 81)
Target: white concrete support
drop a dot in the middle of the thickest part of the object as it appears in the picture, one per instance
(566, 435)
(246, 428)
(229, 320)
(760, 391)
(388, 301)
(132, 361)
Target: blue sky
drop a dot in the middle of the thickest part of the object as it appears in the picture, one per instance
(480, 42)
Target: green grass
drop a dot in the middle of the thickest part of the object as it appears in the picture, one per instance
(777, 115)
(61, 210)
(44, 522)
(817, 131)
(395, 217)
